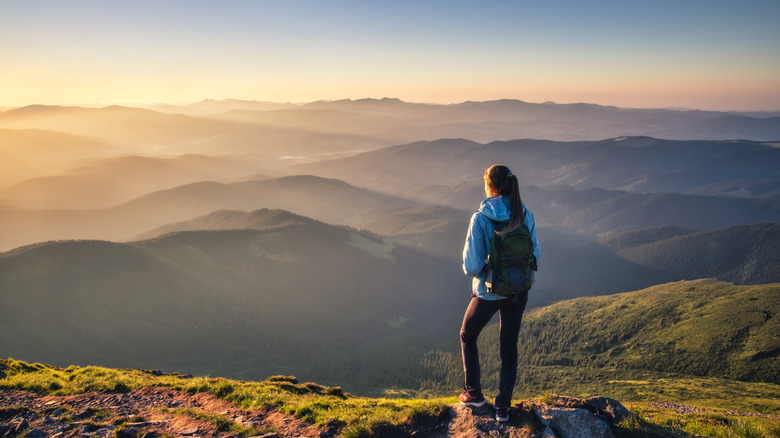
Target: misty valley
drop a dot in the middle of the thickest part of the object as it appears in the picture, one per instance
(324, 240)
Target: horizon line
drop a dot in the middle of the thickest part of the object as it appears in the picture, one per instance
(151, 105)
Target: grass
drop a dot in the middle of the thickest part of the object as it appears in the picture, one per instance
(651, 386)
(363, 417)
(313, 403)
(714, 424)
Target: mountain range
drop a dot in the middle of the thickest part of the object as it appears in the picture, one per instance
(504, 119)
(228, 284)
(324, 239)
(574, 265)
(324, 199)
(636, 164)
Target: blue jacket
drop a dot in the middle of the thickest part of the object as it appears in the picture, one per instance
(475, 251)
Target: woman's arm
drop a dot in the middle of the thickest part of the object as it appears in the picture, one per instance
(476, 248)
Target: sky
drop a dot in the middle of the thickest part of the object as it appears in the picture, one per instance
(699, 54)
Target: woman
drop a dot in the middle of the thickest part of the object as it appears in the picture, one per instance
(503, 204)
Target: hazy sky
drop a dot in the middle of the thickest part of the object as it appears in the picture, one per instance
(706, 54)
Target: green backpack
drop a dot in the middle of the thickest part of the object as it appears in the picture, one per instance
(510, 261)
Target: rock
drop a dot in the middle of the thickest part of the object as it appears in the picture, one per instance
(36, 433)
(4, 429)
(86, 413)
(21, 426)
(88, 428)
(190, 431)
(252, 424)
(573, 422)
(130, 432)
(270, 435)
(469, 422)
(548, 433)
(609, 410)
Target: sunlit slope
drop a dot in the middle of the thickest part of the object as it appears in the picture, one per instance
(29, 153)
(700, 328)
(704, 328)
(327, 200)
(244, 303)
(233, 220)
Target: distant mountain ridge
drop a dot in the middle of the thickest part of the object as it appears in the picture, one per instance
(396, 121)
(572, 265)
(509, 119)
(233, 220)
(328, 200)
(637, 164)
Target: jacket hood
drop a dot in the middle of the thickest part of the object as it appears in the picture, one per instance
(496, 208)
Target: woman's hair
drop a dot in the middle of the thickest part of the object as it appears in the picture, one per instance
(502, 182)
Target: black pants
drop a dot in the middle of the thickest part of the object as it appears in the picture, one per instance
(478, 314)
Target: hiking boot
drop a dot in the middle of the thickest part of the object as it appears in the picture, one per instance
(471, 397)
(502, 414)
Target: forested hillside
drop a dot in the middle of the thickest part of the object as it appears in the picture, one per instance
(744, 254)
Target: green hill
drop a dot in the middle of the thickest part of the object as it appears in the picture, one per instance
(701, 328)
(324, 302)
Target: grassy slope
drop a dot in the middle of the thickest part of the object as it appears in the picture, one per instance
(709, 337)
(311, 402)
(357, 416)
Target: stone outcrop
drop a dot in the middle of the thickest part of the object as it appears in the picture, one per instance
(572, 423)
(568, 417)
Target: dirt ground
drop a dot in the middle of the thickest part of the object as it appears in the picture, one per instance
(158, 412)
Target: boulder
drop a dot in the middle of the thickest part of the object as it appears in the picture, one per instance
(608, 409)
(573, 422)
